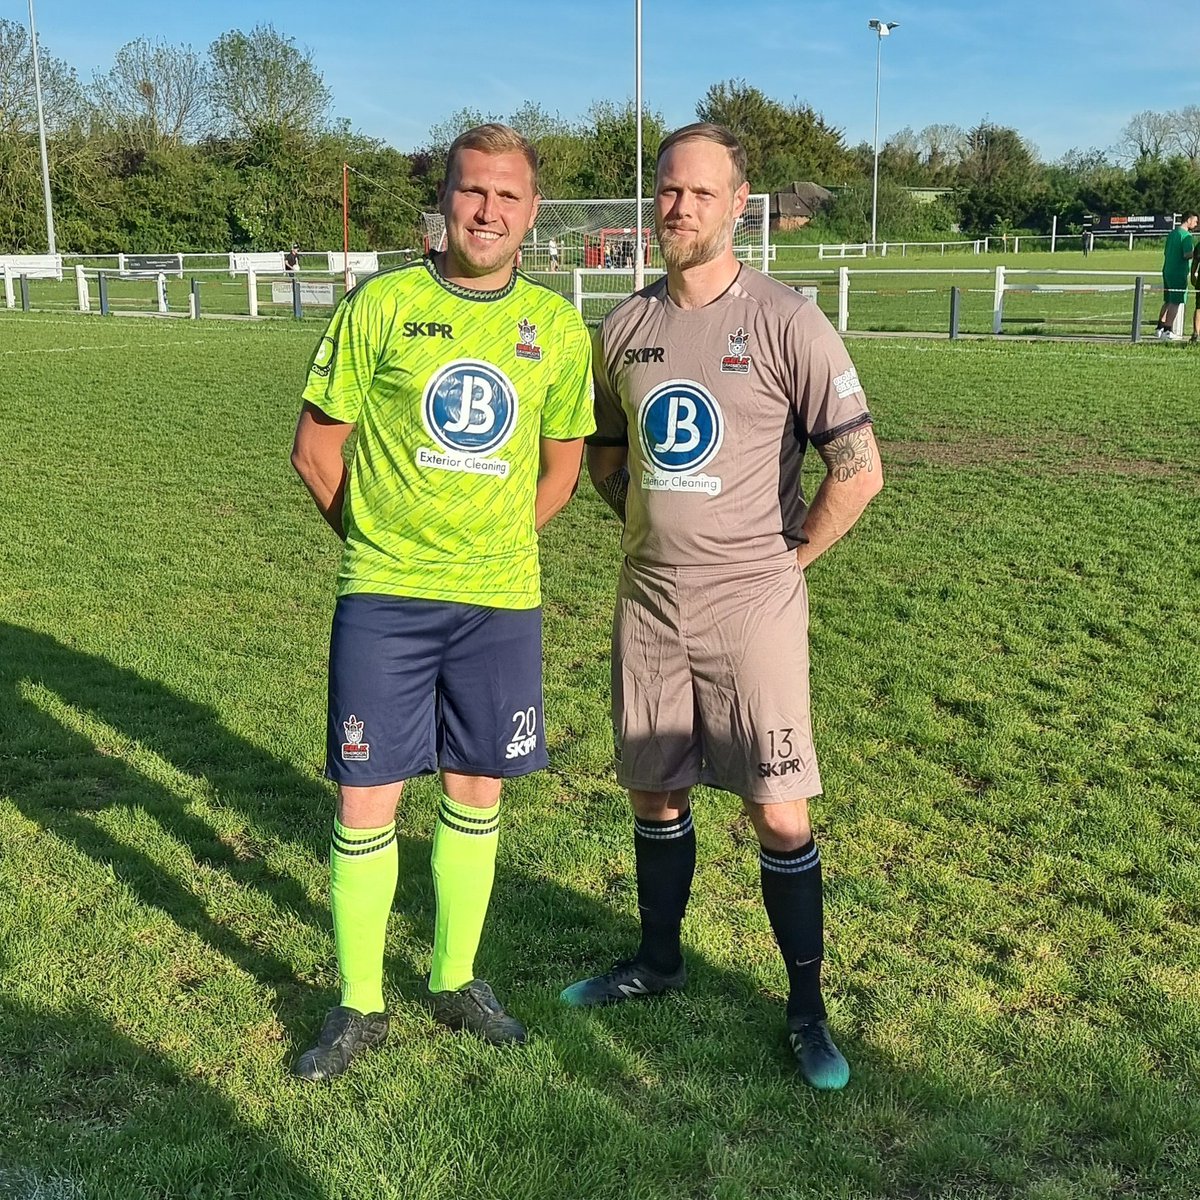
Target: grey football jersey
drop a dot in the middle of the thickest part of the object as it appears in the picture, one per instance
(717, 405)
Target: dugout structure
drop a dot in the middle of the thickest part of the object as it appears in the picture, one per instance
(611, 248)
(587, 232)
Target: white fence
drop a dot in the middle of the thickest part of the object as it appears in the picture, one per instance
(32, 266)
(361, 262)
(859, 295)
(918, 300)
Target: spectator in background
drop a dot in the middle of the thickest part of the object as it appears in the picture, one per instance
(1177, 256)
(1195, 275)
(291, 260)
(552, 247)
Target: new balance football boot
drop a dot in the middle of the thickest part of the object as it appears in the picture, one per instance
(628, 980)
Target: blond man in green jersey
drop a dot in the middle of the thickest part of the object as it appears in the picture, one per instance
(469, 388)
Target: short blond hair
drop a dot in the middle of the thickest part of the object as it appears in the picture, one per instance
(494, 138)
(708, 131)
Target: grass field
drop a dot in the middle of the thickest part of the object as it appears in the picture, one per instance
(1006, 703)
(890, 293)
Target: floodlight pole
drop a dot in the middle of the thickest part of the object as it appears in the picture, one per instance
(639, 256)
(37, 91)
(882, 29)
(346, 226)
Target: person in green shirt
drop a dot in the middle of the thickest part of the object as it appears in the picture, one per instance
(468, 386)
(1177, 259)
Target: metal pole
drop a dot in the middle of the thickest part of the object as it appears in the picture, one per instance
(37, 91)
(875, 181)
(955, 296)
(25, 293)
(1053, 231)
(195, 297)
(345, 228)
(297, 307)
(103, 285)
(639, 257)
(1138, 285)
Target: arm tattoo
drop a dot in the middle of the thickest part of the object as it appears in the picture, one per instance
(845, 456)
(614, 489)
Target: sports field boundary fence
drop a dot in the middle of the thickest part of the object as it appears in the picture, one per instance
(249, 294)
(950, 300)
(1005, 298)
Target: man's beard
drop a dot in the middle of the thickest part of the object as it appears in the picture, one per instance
(480, 258)
(680, 254)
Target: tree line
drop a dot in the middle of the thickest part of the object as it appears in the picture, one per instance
(236, 147)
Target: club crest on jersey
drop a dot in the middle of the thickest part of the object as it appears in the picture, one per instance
(681, 427)
(737, 361)
(470, 410)
(354, 749)
(847, 383)
(527, 347)
(322, 362)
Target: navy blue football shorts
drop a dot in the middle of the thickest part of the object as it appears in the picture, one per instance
(418, 685)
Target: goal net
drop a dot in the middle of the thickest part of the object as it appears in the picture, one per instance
(602, 235)
(593, 236)
(435, 231)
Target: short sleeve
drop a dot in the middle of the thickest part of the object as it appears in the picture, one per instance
(343, 364)
(827, 394)
(567, 411)
(611, 426)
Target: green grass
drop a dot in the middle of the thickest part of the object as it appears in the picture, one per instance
(1006, 707)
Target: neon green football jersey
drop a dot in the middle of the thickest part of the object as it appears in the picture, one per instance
(451, 390)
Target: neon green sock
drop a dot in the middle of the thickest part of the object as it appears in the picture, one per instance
(464, 865)
(363, 865)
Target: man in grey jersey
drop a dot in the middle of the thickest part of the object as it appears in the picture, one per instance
(709, 385)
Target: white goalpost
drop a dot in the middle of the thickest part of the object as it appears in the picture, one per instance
(587, 249)
(602, 235)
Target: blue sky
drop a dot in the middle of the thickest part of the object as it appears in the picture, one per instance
(1067, 74)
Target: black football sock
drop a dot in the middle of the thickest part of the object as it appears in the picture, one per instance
(792, 893)
(666, 862)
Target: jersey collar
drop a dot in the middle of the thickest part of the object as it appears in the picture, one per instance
(466, 293)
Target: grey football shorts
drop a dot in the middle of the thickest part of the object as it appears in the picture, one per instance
(710, 680)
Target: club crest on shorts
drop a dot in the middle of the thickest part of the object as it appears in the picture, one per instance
(354, 749)
(527, 346)
(681, 427)
(737, 361)
(470, 410)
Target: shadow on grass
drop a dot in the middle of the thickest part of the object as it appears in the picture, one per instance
(692, 1096)
(62, 780)
(90, 1114)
